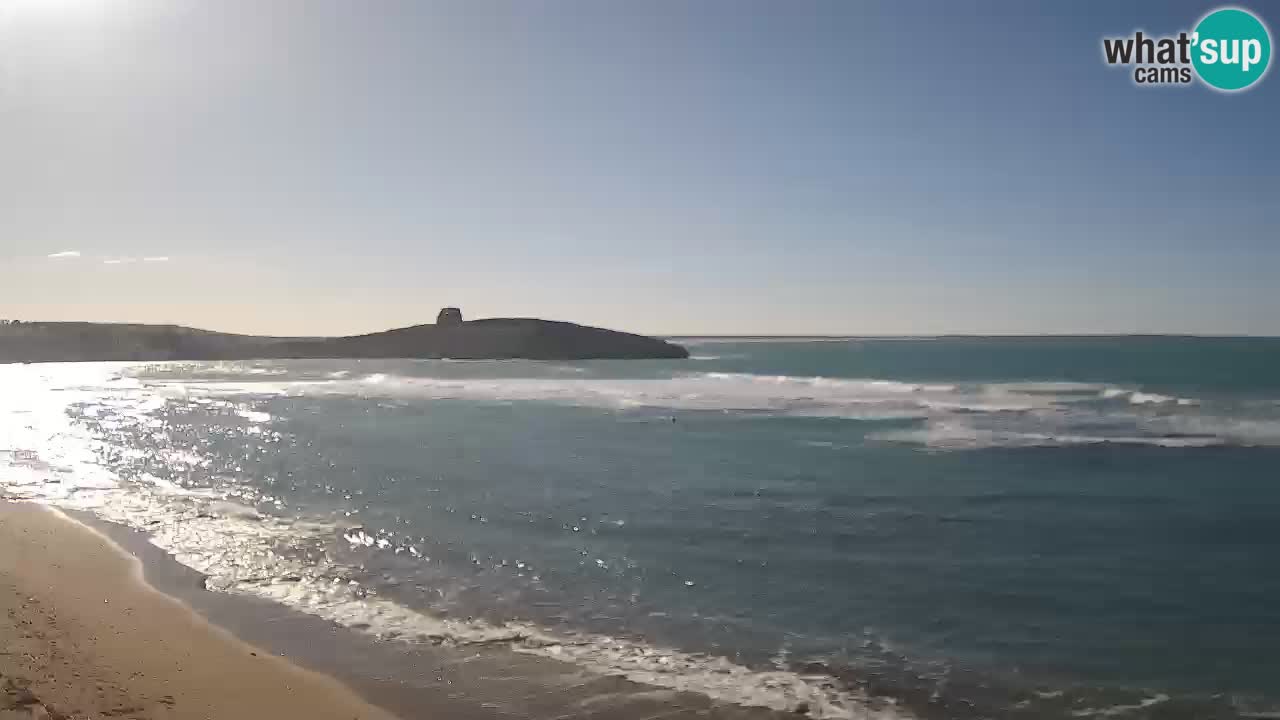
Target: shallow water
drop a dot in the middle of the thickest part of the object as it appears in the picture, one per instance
(951, 527)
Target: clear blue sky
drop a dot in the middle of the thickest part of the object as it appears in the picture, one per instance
(668, 167)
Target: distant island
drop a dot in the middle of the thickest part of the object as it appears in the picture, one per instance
(449, 337)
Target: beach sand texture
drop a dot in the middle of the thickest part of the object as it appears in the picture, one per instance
(82, 636)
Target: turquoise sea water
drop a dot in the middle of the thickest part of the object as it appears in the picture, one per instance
(947, 527)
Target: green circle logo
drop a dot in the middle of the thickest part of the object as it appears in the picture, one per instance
(1232, 49)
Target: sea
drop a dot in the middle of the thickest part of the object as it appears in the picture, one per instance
(949, 527)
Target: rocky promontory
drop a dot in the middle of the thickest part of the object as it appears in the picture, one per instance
(449, 337)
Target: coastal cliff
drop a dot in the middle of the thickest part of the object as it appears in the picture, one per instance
(451, 337)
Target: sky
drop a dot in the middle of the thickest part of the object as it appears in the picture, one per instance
(710, 167)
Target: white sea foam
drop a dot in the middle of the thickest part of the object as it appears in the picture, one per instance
(954, 415)
(1242, 431)
(253, 416)
(46, 456)
(236, 547)
(812, 396)
(715, 677)
(961, 436)
(1115, 710)
(1138, 397)
(199, 369)
(1053, 387)
(1061, 429)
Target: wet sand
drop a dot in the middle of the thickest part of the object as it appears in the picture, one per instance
(99, 623)
(82, 636)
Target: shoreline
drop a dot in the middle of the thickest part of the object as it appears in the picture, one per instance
(85, 636)
(337, 516)
(340, 672)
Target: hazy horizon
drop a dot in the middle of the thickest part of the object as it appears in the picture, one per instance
(713, 336)
(678, 169)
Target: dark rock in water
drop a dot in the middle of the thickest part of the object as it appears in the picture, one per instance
(449, 316)
(450, 337)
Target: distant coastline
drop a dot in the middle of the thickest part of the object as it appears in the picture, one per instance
(449, 337)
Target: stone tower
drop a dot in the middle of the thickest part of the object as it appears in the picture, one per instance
(449, 316)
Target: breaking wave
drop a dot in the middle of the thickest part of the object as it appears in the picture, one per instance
(52, 458)
(712, 391)
(47, 455)
(1137, 397)
(951, 416)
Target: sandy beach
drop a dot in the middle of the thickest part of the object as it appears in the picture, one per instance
(82, 636)
(85, 633)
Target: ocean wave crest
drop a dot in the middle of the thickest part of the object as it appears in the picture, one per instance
(54, 459)
(952, 416)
